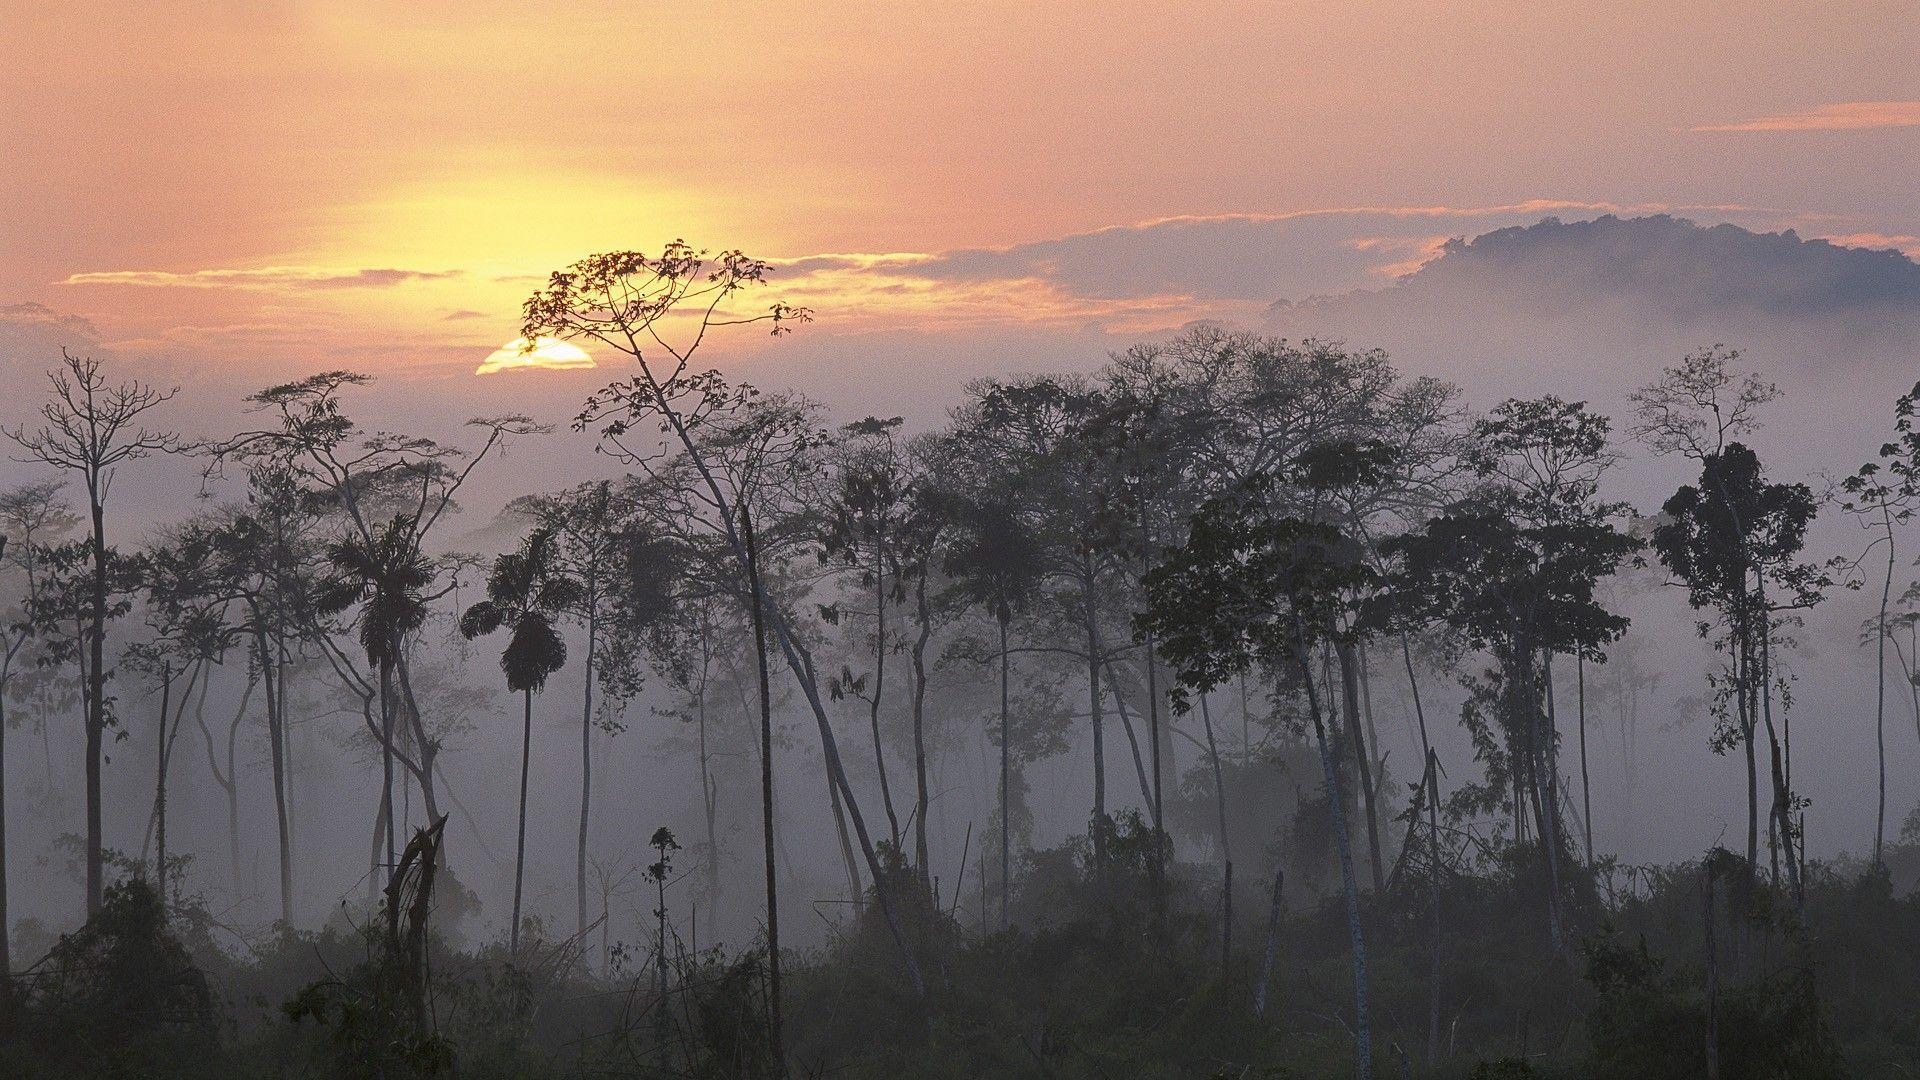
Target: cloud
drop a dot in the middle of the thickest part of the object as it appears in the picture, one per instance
(1846, 116)
(266, 277)
(33, 332)
(1159, 273)
(1661, 266)
(465, 313)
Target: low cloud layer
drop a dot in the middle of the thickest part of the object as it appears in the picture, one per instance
(1846, 116)
(266, 277)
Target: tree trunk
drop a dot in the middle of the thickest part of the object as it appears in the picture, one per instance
(96, 698)
(1098, 719)
(1880, 699)
(920, 795)
(1226, 852)
(6, 949)
(520, 845)
(386, 760)
(276, 746)
(873, 704)
(586, 779)
(1350, 699)
(777, 1046)
(1713, 984)
(1273, 944)
(1006, 780)
(1362, 1028)
(1586, 781)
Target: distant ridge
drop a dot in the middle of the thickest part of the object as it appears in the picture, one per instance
(1662, 266)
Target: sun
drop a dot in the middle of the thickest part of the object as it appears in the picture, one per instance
(546, 352)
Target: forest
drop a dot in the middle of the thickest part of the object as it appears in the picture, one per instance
(1243, 708)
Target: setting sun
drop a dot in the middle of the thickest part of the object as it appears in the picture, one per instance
(546, 352)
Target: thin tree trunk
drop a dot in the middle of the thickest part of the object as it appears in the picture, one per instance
(1133, 740)
(1713, 984)
(386, 760)
(1098, 719)
(1880, 699)
(276, 745)
(777, 1046)
(1006, 781)
(1350, 695)
(586, 775)
(96, 698)
(873, 704)
(1586, 782)
(160, 786)
(6, 950)
(920, 795)
(1273, 944)
(1362, 1028)
(520, 845)
(1226, 852)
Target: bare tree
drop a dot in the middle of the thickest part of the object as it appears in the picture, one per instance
(92, 427)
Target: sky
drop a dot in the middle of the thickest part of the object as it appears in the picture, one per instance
(267, 188)
(226, 195)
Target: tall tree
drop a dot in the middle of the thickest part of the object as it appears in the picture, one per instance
(389, 491)
(623, 586)
(92, 427)
(1697, 409)
(996, 564)
(623, 301)
(526, 593)
(865, 506)
(1727, 538)
(1883, 494)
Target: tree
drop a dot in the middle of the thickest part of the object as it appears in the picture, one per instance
(390, 491)
(623, 301)
(1697, 409)
(865, 507)
(91, 428)
(526, 593)
(1030, 435)
(995, 564)
(1727, 537)
(30, 515)
(623, 577)
(187, 634)
(386, 576)
(1880, 495)
(1280, 587)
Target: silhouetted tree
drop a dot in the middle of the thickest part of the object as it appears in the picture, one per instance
(526, 593)
(91, 427)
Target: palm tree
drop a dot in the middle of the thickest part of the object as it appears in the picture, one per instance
(526, 593)
(387, 576)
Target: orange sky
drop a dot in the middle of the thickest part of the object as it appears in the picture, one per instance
(291, 183)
